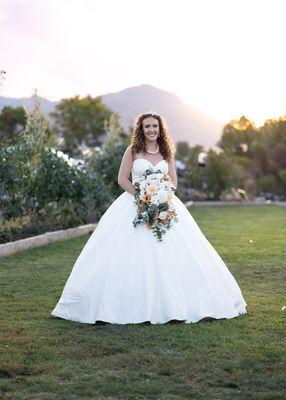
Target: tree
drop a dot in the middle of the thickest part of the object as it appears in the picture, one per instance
(277, 158)
(115, 131)
(282, 179)
(182, 150)
(218, 174)
(80, 121)
(12, 122)
(274, 131)
(238, 137)
(194, 175)
(267, 184)
(269, 149)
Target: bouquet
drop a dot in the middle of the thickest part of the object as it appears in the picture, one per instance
(154, 200)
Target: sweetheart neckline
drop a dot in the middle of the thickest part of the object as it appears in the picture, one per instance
(149, 161)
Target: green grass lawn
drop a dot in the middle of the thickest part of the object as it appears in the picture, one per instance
(240, 358)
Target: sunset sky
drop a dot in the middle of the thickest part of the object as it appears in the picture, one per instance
(225, 57)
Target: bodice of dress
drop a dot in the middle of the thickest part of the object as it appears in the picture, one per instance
(140, 165)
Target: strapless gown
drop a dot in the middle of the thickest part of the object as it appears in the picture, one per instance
(124, 275)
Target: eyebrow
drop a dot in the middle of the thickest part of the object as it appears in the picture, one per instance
(151, 124)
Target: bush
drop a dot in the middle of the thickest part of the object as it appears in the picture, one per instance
(267, 184)
(47, 187)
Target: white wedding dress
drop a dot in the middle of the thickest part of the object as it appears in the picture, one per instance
(124, 275)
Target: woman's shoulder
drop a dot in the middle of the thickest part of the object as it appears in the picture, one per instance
(131, 148)
(131, 151)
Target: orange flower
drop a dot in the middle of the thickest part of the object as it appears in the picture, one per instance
(145, 198)
(152, 190)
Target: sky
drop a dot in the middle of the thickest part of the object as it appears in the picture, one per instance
(224, 57)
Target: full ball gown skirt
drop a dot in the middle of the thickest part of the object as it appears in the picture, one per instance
(124, 275)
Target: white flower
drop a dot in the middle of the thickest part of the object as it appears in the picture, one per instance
(142, 185)
(162, 185)
(163, 195)
(149, 178)
(60, 153)
(163, 215)
(151, 189)
(155, 199)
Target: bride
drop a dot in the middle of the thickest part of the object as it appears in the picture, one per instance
(125, 276)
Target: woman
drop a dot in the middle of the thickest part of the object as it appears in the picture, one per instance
(123, 275)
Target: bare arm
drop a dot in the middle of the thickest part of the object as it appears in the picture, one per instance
(124, 172)
(173, 172)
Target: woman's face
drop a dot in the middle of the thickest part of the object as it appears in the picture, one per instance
(151, 129)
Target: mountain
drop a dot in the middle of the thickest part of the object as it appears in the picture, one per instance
(184, 121)
(46, 105)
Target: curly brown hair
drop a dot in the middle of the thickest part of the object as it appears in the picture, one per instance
(165, 142)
